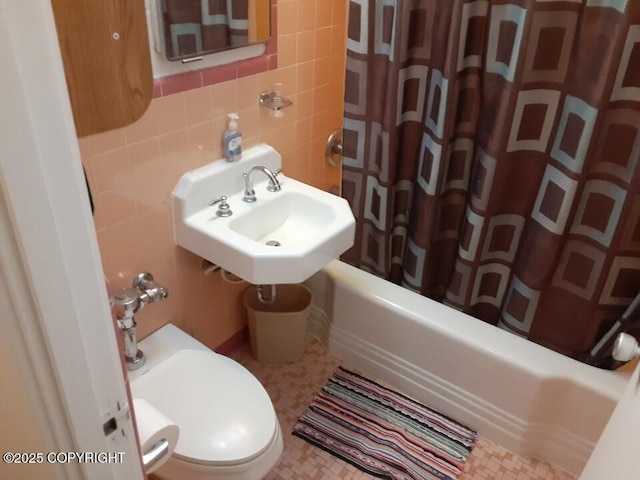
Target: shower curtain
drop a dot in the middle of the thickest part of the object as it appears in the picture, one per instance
(491, 158)
(195, 27)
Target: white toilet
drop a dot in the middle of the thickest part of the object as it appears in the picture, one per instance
(228, 426)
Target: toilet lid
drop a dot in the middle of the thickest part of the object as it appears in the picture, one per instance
(224, 414)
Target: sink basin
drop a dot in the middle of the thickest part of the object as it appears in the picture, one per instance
(291, 217)
(284, 237)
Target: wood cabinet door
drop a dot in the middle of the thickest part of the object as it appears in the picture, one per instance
(105, 50)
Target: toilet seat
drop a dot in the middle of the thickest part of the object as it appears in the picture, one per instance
(258, 467)
(219, 426)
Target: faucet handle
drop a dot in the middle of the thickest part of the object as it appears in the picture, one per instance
(224, 209)
(222, 199)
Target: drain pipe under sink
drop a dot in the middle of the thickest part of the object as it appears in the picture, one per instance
(270, 297)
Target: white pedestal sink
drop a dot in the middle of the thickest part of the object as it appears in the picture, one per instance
(309, 226)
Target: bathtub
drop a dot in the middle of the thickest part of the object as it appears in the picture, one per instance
(525, 397)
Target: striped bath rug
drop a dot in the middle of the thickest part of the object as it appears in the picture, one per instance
(382, 432)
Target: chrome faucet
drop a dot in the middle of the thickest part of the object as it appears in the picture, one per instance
(249, 192)
(129, 301)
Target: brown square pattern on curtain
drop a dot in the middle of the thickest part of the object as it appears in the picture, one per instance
(491, 158)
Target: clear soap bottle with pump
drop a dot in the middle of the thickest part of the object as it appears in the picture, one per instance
(232, 140)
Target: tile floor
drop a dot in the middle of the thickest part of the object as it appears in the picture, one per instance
(292, 386)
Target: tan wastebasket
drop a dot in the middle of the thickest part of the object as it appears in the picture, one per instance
(277, 331)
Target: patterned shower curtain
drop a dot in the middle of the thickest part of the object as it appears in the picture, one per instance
(195, 27)
(491, 158)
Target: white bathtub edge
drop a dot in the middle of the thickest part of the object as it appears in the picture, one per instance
(550, 442)
(549, 429)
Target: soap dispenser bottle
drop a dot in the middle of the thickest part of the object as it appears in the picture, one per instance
(232, 140)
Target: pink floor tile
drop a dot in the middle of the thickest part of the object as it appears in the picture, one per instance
(293, 385)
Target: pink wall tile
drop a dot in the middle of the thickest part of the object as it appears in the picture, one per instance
(250, 124)
(287, 50)
(323, 14)
(272, 47)
(114, 205)
(219, 74)
(157, 89)
(304, 76)
(287, 17)
(323, 42)
(287, 77)
(247, 92)
(339, 12)
(133, 170)
(170, 113)
(253, 66)
(104, 142)
(306, 46)
(321, 72)
(307, 13)
(223, 98)
(143, 157)
(145, 127)
(198, 105)
(203, 144)
(110, 169)
(180, 83)
(273, 62)
(305, 104)
(173, 159)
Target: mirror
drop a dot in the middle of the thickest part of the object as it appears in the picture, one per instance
(192, 28)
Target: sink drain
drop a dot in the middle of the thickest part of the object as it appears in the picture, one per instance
(273, 243)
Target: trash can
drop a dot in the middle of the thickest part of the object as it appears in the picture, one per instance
(278, 330)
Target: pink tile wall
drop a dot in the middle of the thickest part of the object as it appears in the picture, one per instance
(133, 170)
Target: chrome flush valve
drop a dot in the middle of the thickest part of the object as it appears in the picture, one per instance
(129, 301)
(151, 291)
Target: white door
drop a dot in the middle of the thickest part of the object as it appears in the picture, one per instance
(617, 453)
(55, 312)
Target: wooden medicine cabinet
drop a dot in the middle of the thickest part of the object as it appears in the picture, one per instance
(105, 50)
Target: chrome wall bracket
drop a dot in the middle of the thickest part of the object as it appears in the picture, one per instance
(274, 102)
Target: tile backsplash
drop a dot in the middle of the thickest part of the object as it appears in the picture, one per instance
(133, 170)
